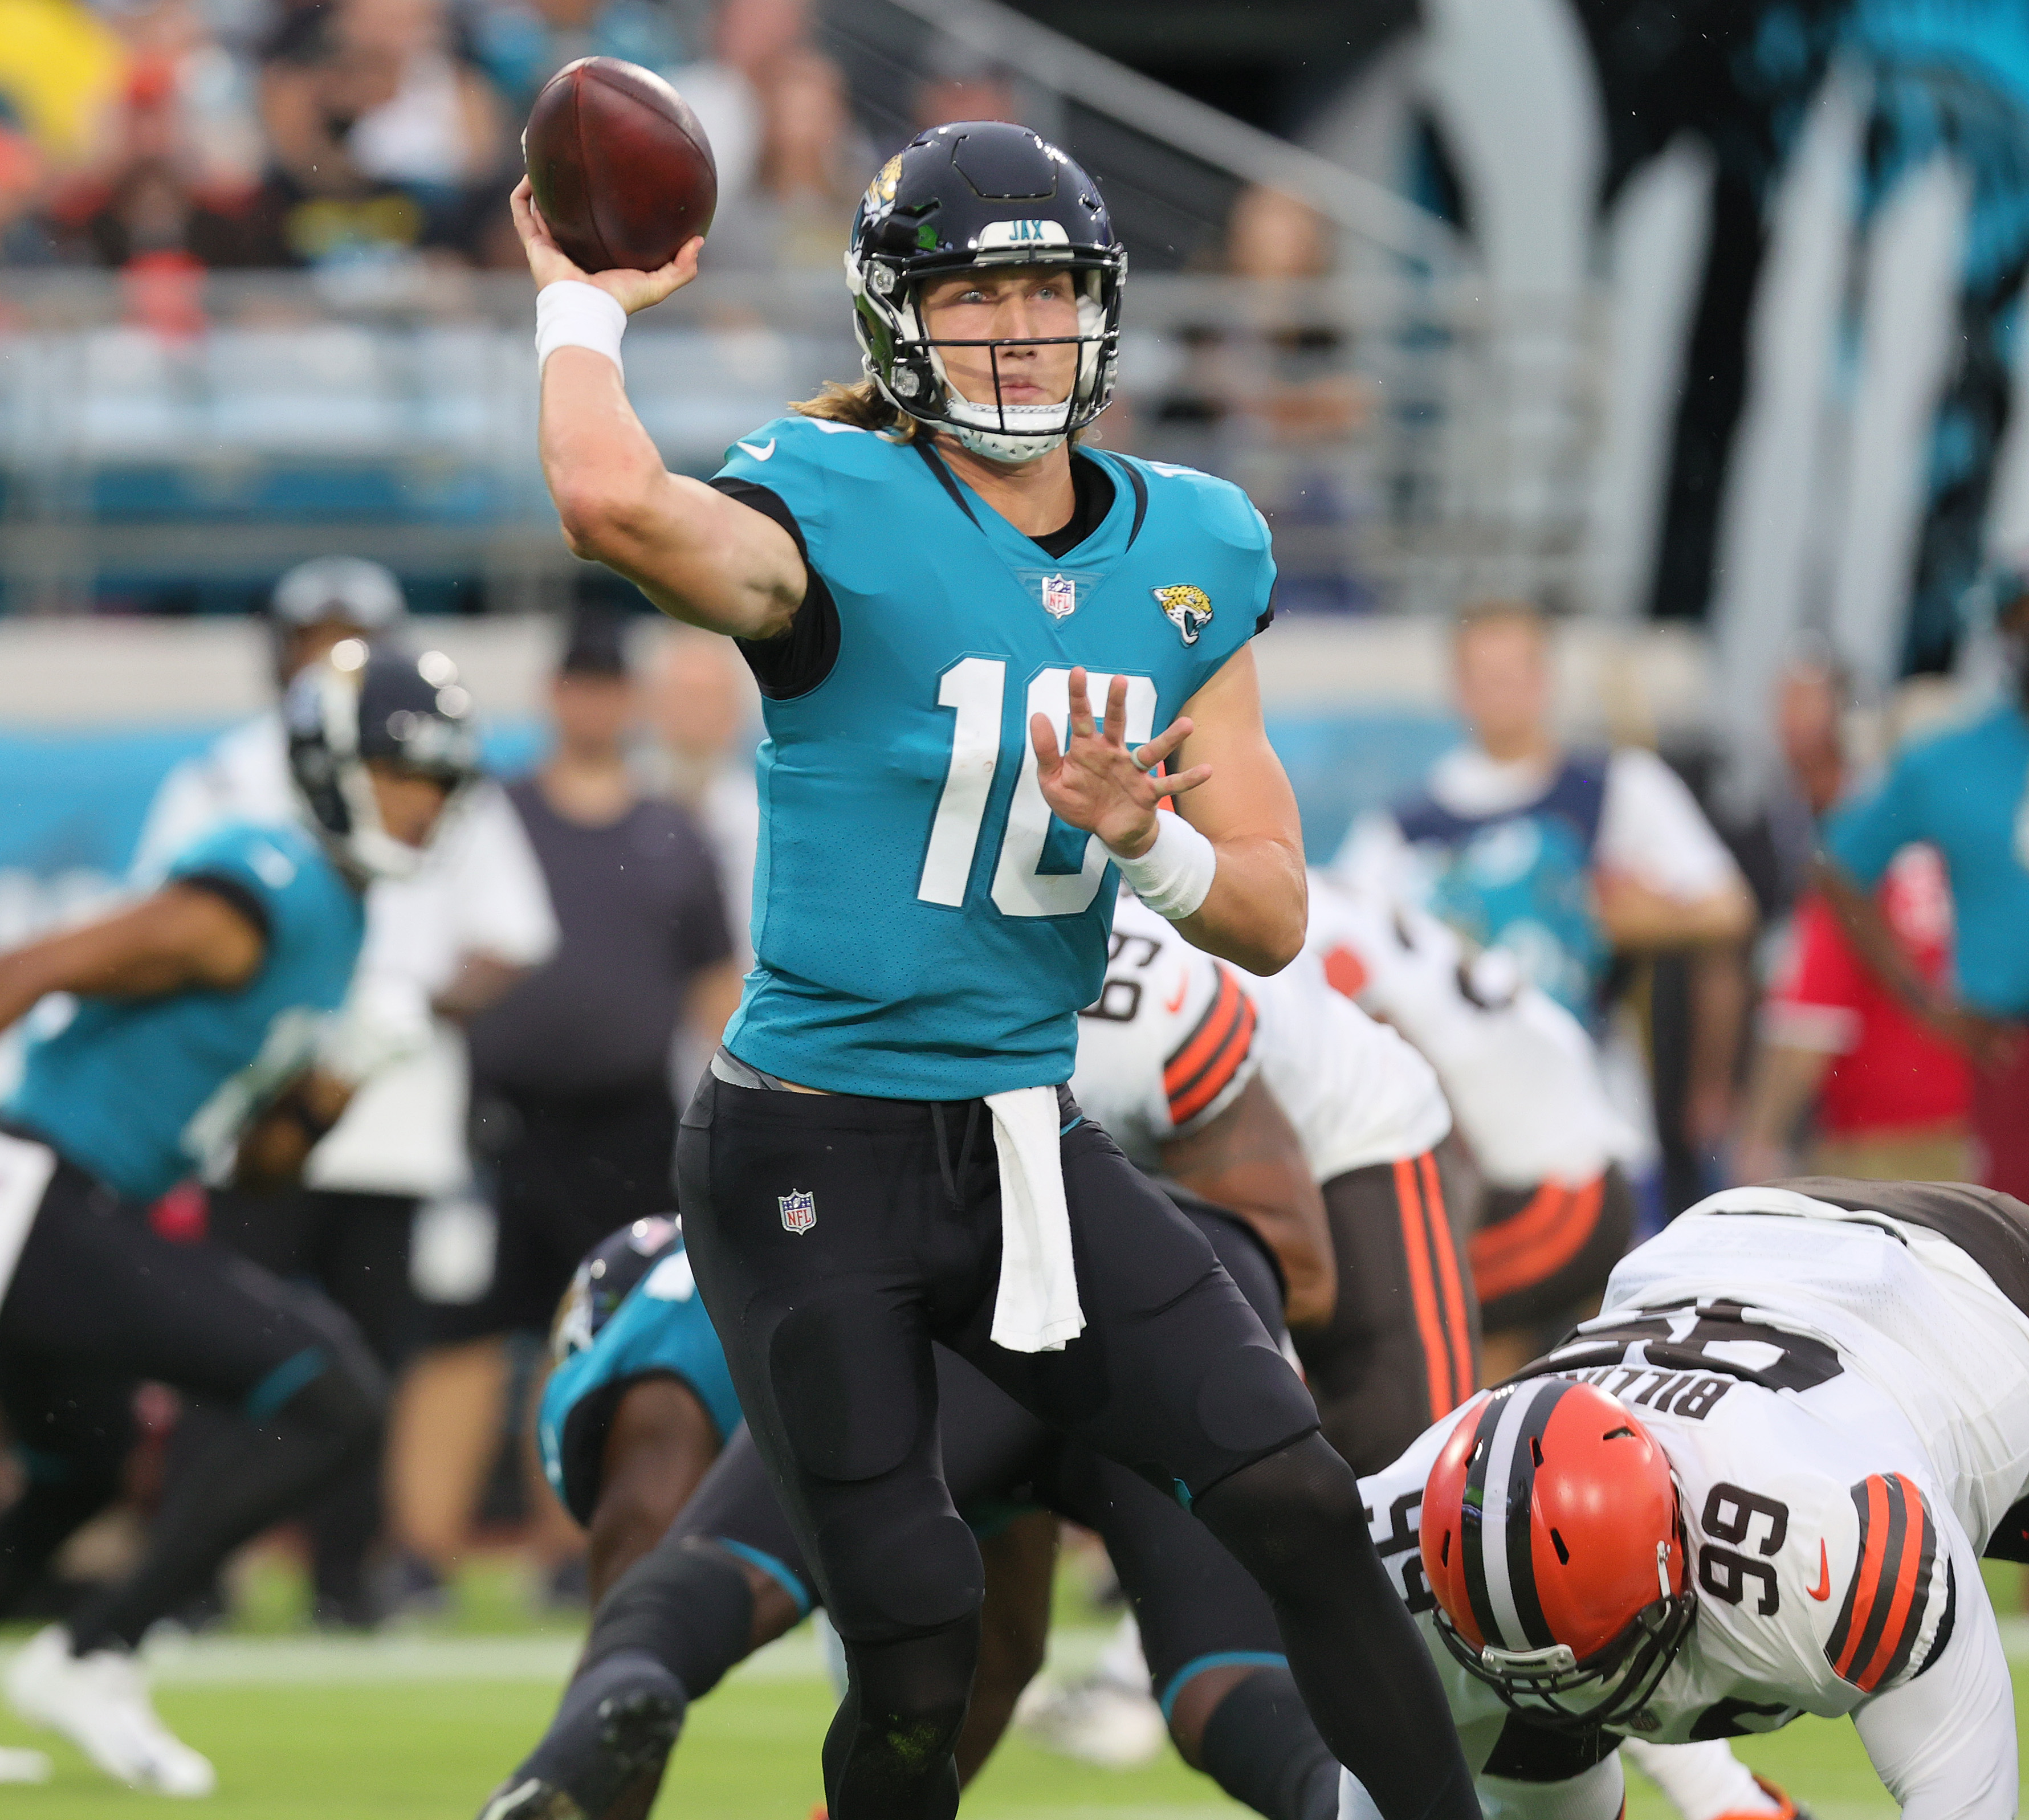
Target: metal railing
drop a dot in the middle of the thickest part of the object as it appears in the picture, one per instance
(1409, 442)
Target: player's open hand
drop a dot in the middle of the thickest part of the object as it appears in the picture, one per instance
(1097, 782)
(632, 291)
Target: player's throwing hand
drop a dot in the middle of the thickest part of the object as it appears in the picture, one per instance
(632, 291)
(1099, 783)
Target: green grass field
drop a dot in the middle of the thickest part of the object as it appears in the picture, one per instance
(289, 1747)
(419, 1727)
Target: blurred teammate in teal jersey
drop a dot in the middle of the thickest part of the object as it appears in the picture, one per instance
(976, 644)
(193, 1048)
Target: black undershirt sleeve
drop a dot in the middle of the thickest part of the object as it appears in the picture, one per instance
(793, 663)
(236, 892)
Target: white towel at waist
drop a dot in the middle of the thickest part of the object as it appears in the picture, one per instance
(1036, 1309)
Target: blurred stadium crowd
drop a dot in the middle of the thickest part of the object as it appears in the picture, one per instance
(173, 136)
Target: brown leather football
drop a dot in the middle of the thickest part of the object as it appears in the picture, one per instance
(622, 171)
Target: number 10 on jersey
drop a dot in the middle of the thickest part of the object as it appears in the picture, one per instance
(975, 688)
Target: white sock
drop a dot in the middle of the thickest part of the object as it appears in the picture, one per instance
(1702, 1781)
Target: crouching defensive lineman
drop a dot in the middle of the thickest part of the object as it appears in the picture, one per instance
(1758, 1484)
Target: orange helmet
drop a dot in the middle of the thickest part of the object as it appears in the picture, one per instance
(1553, 1539)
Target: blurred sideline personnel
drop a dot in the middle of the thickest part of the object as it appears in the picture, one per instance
(194, 1044)
(1188, 1066)
(926, 939)
(1554, 1208)
(1563, 858)
(1889, 1099)
(1759, 1485)
(702, 703)
(440, 942)
(570, 1073)
(1964, 791)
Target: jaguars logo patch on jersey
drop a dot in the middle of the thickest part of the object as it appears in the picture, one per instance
(1187, 608)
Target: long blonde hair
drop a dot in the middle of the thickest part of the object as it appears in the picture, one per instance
(863, 404)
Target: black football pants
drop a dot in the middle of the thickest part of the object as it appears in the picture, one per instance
(99, 1300)
(835, 1237)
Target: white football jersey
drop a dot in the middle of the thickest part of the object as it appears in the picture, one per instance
(1844, 1400)
(1175, 1035)
(1521, 1074)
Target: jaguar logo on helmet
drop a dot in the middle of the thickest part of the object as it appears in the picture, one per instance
(1187, 608)
(880, 192)
(1553, 1539)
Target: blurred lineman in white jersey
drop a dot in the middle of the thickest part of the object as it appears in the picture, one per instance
(1523, 1077)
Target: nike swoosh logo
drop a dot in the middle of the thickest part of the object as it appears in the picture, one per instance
(1823, 1588)
(760, 454)
(1177, 1004)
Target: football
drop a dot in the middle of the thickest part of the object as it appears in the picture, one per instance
(621, 170)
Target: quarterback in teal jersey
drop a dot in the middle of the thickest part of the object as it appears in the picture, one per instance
(977, 645)
(192, 1048)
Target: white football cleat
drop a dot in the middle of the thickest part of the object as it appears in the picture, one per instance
(100, 1702)
(1095, 1720)
(18, 1766)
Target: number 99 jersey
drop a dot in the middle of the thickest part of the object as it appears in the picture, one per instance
(1843, 1398)
(924, 928)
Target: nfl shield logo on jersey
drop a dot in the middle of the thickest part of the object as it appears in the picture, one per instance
(1060, 596)
(800, 1212)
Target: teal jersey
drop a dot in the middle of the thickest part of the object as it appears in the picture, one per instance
(924, 928)
(141, 1092)
(1966, 791)
(658, 1329)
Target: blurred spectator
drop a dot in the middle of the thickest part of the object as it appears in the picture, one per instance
(725, 89)
(703, 707)
(384, 139)
(442, 943)
(571, 1098)
(25, 239)
(61, 71)
(1267, 394)
(1892, 1098)
(1272, 235)
(810, 169)
(522, 43)
(966, 89)
(1962, 791)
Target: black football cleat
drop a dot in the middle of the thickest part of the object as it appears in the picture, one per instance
(605, 1746)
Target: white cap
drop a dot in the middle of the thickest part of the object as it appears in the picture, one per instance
(362, 594)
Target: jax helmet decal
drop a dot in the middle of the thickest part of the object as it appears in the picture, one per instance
(1554, 1544)
(362, 705)
(966, 196)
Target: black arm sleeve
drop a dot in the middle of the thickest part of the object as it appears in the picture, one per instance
(236, 892)
(793, 663)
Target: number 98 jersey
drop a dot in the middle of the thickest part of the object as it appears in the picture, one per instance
(923, 927)
(1805, 1370)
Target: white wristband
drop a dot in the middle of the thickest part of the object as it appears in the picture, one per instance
(571, 314)
(1173, 877)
